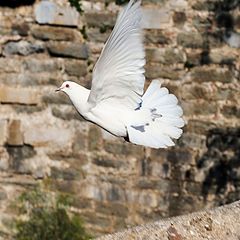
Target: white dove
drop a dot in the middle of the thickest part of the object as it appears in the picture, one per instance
(116, 101)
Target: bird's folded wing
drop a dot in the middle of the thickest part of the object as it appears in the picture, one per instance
(119, 74)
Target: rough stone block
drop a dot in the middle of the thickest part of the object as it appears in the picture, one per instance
(66, 113)
(4, 159)
(165, 56)
(94, 138)
(116, 209)
(196, 91)
(74, 50)
(55, 33)
(3, 131)
(15, 136)
(212, 74)
(157, 71)
(104, 21)
(10, 65)
(41, 135)
(18, 95)
(47, 12)
(108, 162)
(22, 48)
(190, 39)
(156, 36)
(41, 65)
(75, 68)
(199, 127)
(155, 18)
(202, 107)
(21, 28)
(231, 111)
(18, 155)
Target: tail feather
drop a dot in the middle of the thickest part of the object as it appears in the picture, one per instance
(165, 122)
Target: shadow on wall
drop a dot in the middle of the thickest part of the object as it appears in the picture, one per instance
(15, 3)
(221, 165)
(218, 28)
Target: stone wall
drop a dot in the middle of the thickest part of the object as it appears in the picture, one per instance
(192, 46)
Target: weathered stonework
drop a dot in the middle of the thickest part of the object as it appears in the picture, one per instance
(115, 184)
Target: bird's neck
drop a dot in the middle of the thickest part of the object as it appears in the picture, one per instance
(79, 99)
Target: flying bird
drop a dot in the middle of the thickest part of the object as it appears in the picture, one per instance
(116, 101)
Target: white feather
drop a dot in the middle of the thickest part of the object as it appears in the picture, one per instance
(118, 73)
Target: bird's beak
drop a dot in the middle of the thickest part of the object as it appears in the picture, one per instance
(58, 89)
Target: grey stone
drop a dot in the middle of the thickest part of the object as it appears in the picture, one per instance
(47, 12)
(74, 50)
(22, 48)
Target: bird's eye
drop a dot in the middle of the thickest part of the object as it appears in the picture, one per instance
(67, 85)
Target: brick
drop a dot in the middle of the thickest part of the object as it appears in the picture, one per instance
(56, 33)
(18, 95)
(3, 131)
(155, 18)
(211, 74)
(15, 135)
(47, 12)
(74, 50)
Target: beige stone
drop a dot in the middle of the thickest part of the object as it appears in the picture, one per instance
(3, 131)
(15, 136)
(41, 135)
(155, 18)
(18, 95)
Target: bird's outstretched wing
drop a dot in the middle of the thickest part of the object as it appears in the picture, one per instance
(119, 74)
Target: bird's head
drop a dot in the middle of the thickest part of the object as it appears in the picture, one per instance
(66, 87)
